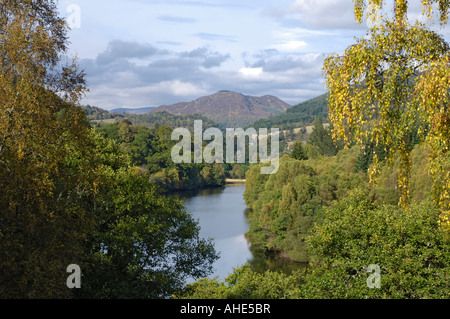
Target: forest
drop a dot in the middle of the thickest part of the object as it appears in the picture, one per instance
(322, 211)
(379, 200)
(72, 194)
(370, 191)
(298, 115)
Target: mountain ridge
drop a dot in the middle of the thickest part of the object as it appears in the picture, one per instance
(229, 108)
(299, 115)
(140, 110)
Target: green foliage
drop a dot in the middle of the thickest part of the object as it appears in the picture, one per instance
(144, 245)
(68, 196)
(386, 86)
(298, 152)
(409, 248)
(387, 92)
(42, 220)
(299, 115)
(238, 171)
(322, 140)
(356, 232)
(243, 283)
(150, 149)
(97, 114)
(153, 120)
(284, 206)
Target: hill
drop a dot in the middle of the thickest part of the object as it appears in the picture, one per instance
(299, 115)
(152, 120)
(229, 109)
(142, 110)
(100, 116)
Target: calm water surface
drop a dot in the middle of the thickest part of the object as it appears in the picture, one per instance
(221, 216)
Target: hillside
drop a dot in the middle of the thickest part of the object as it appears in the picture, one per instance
(299, 115)
(99, 116)
(229, 109)
(142, 110)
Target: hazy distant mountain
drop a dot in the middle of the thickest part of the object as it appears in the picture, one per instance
(230, 109)
(142, 110)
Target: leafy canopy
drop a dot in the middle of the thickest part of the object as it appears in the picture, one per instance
(390, 82)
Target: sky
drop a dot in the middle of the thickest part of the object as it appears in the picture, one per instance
(139, 53)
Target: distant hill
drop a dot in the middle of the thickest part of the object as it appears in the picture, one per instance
(229, 109)
(299, 115)
(152, 120)
(100, 116)
(124, 110)
(97, 114)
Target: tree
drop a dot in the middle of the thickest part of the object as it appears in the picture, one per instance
(298, 151)
(357, 232)
(42, 222)
(144, 245)
(391, 81)
(321, 138)
(68, 196)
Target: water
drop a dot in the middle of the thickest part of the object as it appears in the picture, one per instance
(221, 213)
(221, 216)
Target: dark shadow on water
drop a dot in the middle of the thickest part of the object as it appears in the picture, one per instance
(264, 260)
(183, 195)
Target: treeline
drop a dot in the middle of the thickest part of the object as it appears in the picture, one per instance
(164, 118)
(151, 120)
(150, 150)
(361, 249)
(321, 210)
(299, 115)
(98, 114)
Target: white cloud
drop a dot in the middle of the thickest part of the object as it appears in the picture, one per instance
(251, 72)
(179, 88)
(291, 46)
(147, 53)
(323, 14)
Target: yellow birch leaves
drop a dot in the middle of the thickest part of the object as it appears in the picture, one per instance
(393, 81)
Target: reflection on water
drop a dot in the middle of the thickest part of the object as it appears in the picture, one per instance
(221, 216)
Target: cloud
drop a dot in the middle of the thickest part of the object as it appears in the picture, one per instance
(131, 68)
(291, 46)
(179, 88)
(251, 72)
(323, 14)
(336, 13)
(176, 19)
(148, 76)
(171, 43)
(216, 37)
(119, 49)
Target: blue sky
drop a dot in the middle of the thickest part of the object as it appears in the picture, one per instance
(148, 53)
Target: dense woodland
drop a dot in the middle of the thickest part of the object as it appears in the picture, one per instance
(150, 150)
(74, 189)
(68, 195)
(321, 210)
(299, 115)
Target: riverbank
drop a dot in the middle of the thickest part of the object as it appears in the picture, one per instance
(234, 181)
(223, 215)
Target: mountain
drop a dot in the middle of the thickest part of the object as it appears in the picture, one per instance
(299, 115)
(229, 109)
(142, 110)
